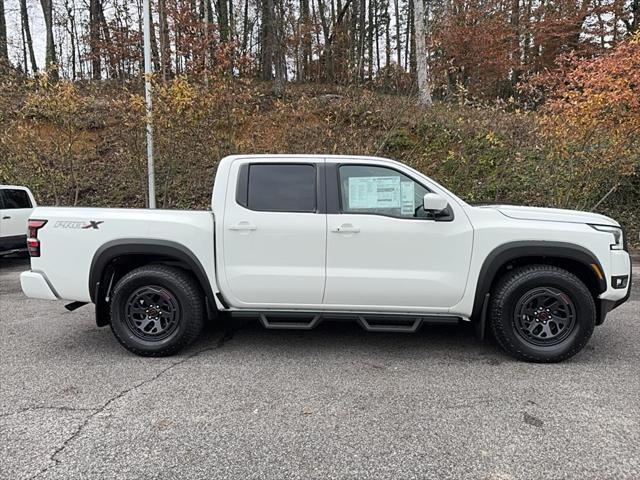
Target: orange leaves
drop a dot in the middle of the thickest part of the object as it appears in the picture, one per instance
(592, 117)
(601, 93)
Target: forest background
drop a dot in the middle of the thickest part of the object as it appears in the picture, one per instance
(503, 101)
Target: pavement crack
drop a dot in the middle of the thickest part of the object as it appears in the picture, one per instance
(96, 411)
(35, 408)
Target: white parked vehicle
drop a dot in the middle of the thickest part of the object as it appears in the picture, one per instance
(296, 239)
(16, 205)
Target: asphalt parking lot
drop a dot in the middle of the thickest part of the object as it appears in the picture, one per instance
(335, 402)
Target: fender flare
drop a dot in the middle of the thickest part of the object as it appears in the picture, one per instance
(514, 250)
(142, 246)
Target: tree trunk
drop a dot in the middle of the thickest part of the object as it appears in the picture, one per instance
(223, 20)
(376, 21)
(422, 65)
(362, 11)
(94, 39)
(113, 66)
(515, 52)
(328, 57)
(387, 31)
(369, 30)
(25, 67)
(635, 11)
(267, 40)
(245, 27)
(232, 22)
(526, 48)
(155, 53)
(305, 26)
(398, 37)
(165, 47)
(50, 49)
(71, 29)
(79, 45)
(278, 41)
(4, 52)
(409, 43)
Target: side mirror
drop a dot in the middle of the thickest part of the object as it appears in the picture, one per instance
(433, 202)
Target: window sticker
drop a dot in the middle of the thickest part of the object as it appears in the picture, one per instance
(374, 192)
(408, 198)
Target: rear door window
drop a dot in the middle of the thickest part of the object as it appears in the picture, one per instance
(281, 188)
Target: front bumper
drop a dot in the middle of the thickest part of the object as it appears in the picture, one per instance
(613, 297)
(35, 285)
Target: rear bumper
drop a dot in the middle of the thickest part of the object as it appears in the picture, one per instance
(17, 243)
(35, 285)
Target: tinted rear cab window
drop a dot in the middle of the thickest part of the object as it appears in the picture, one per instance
(13, 199)
(282, 187)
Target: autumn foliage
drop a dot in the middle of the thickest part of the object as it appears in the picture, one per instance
(591, 117)
(536, 102)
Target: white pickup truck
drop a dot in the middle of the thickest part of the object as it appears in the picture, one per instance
(16, 205)
(297, 239)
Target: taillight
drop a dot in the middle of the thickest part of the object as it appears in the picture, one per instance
(33, 244)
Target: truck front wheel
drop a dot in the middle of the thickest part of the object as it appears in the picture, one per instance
(156, 310)
(542, 313)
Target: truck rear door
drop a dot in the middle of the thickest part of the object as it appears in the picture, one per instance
(274, 233)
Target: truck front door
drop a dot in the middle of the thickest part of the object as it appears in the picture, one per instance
(384, 251)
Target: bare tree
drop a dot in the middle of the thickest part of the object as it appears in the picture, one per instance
(422, 66)
(305, 27)
(398, 37)
(267, 39)
(71, 30)
(104, 27)
(26, 30)
(324, 21)
(4, 53)
(280, 61)
(223, 20)
(165, 46)
(94, 39)
(245, 28)
(50, 49)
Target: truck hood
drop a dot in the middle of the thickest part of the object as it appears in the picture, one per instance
(552, 214)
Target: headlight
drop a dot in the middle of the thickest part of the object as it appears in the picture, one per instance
(618, 241)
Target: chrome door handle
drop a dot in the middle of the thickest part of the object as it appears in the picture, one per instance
(243, 227)
(346, 228)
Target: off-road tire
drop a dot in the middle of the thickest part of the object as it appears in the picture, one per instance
(514, 285)
(184, 292)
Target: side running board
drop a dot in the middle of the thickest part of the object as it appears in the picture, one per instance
(370, 323)
(294, 324)
(378, 325)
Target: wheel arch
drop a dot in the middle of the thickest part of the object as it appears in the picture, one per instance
(116, 258)
(573, 258)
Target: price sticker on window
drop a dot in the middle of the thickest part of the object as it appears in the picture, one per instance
(374, 192)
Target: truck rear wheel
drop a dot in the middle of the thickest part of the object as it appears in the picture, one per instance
(156, 310)
(542, 313)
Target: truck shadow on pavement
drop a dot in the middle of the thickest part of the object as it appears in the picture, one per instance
(442, 343)
(451, 342)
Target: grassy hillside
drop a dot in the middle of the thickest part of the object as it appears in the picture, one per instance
(85, 145)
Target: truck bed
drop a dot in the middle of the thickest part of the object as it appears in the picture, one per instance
(71, 238)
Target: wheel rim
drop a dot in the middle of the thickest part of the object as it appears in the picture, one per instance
(152, 313)
(545, 316)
